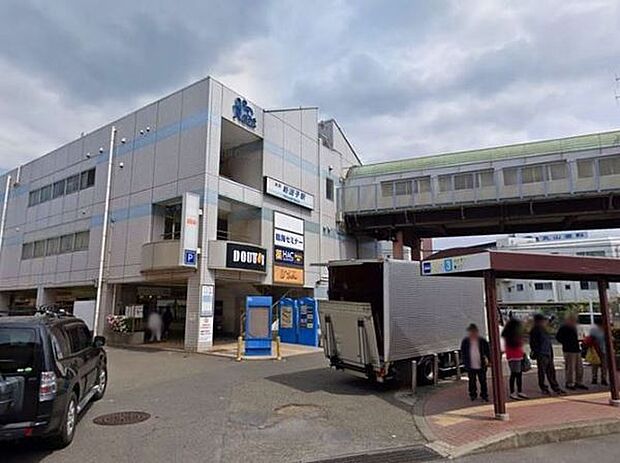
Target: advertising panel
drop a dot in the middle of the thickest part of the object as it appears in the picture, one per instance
(288, 257)
(288, 275)
(246, 257)
(190, 223)
(286, 239)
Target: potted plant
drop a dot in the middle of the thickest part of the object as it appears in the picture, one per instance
(119, 328)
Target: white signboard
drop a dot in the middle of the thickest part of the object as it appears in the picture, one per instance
(288, 223)
(85, 310)
(190, 223)
(288, 193)
(205, 333)
(287, 239)
(206, 301)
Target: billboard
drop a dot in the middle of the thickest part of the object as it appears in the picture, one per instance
(190, 225)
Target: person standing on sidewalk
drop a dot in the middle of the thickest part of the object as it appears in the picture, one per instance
(573, 366)
(598, 341)
(513, 347)
(542, 352)
(476, 356)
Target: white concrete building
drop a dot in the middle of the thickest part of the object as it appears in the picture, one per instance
(212, 198)
(529, 292)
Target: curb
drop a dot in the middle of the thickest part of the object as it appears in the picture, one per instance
(507, 440)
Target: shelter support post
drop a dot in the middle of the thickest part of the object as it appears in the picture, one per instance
(397, 245)
(609, 344)
(499, 391)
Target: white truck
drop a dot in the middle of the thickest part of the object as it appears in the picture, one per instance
(382, 314)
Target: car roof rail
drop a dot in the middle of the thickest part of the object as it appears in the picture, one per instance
(52, 310)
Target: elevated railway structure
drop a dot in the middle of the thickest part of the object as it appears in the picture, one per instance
(562, 184)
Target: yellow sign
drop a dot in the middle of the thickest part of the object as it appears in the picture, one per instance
(288, 275)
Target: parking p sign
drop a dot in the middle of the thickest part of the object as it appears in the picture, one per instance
(189, 257)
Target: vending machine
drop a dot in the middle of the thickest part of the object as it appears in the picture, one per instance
(287, 325)
(308, 328)
(258, 325)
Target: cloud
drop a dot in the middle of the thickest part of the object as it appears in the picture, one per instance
(404, 79)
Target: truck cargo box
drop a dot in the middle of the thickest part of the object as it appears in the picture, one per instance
(412, 316)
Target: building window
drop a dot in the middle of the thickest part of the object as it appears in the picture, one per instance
(172, 222)
(73, 184)
(81, 241)
(585, 168)
(46, 193)
(557, 171)
(329, 189)
(66, 243)
(27, 251)
(609, 165)
(33, 197)
(519, 286)
(547, 286)
(39, 248)
(567, 287)
(87, 179)
(422, 185)
(52, 247)
(463, 182)
(511, 176)
(59, 189)
(588, 285)
(532, 174)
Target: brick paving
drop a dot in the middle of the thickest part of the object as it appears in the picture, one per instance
(455, 420)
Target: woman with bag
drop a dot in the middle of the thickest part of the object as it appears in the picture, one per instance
(517, 361)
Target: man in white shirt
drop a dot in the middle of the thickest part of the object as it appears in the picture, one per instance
(476, 354)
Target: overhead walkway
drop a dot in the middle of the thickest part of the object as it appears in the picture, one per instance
(557, 184)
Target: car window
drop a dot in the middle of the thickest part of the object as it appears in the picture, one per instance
(19, 349)
(77, 340)
(85, 337)
(60, 343)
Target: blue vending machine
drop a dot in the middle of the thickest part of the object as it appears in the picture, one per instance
(287, 325)
(308, 325)
(258, 325)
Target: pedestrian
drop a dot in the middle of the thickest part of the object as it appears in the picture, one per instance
(167, 318)
(573, 366)
(513, 347)
(476, 356)
(542, 352)
(598, 343)
(154, 324)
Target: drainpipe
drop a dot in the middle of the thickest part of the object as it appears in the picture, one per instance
(104, 233)
(5, 205)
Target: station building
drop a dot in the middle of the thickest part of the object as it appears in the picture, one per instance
(212, 198)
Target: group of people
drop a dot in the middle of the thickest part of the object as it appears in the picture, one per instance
(159, 324)
(476, 355)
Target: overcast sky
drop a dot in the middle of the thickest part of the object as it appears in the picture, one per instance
(403, 78)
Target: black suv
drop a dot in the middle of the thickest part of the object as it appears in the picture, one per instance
(50, 369)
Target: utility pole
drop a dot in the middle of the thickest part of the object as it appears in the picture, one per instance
(104, 232)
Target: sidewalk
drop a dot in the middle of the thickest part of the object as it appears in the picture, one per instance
(455, 426)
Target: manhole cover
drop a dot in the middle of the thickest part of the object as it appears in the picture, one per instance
(121, 418)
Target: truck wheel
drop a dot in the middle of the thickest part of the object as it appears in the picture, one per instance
(426, 373)
(102, 384)
(69, 422)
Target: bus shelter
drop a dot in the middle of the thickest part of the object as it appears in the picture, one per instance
(493, 264)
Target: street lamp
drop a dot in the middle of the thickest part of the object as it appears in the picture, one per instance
(104, 233)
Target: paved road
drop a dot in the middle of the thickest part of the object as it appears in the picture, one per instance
(604, 449)
(210, 409)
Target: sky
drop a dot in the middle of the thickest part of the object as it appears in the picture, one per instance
(403, 78)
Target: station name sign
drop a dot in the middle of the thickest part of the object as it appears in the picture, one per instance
(243, 113)
(245, 257)
(288, 193)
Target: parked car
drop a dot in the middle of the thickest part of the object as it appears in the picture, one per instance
(50, 369)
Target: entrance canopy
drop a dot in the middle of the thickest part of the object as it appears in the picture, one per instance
(519, 265)
(493, 264)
